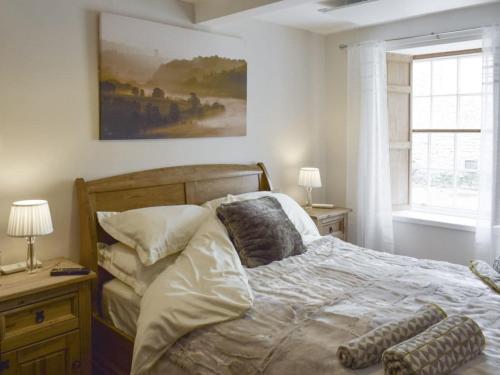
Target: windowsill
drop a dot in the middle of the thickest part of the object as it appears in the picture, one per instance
(435, 220)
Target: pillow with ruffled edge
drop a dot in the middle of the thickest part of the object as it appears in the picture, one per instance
(123, 263)
(154, 232)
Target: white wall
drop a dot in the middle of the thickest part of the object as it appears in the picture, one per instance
(49, 109)
(410, 239)
(431, 242)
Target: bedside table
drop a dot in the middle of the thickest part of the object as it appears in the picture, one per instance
(330, 221)
(45, 322)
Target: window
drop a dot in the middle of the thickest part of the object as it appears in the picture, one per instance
(446, 118)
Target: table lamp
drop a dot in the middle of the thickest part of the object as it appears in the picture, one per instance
(29, 219)
(309, 178)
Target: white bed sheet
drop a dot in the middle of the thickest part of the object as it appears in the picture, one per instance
(121, 306)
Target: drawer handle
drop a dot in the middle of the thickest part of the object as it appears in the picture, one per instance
(39, 316)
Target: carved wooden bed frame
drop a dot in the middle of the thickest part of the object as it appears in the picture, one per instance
(195, 184)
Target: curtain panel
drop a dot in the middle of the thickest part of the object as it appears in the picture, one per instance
(488, 221)
(368, 167)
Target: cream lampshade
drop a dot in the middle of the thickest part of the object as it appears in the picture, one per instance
(309, 178)
(29, 219)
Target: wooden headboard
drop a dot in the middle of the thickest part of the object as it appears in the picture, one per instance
(193, 184)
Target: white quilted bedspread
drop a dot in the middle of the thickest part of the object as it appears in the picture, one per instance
(305, 306)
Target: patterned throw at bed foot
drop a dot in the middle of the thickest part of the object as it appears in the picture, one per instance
(496, 264)
(367, 349)
(437, 351)
(487, 274)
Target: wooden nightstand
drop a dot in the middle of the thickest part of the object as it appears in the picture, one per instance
(45, 322)
(330, 221)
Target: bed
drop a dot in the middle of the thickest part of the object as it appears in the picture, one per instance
(304, 306)
(112, 348)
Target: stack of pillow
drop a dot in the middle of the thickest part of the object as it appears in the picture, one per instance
(263, 226)
(149, 241)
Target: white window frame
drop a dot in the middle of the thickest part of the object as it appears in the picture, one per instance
(429, 131)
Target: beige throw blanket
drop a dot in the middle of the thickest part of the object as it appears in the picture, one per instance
(438, 351)
(367, 349)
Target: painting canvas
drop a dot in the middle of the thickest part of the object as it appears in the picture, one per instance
(161, 81)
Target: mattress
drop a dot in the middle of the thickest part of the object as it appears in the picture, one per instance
(121, 306)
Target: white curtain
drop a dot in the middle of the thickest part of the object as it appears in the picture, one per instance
(488, 223)
(368, 174)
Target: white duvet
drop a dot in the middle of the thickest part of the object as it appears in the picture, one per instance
(206, 285)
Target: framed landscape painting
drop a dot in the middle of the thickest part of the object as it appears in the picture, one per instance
(161, 81)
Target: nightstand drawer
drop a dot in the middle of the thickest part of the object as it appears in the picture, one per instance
(335, 228)
(58, 355)
(331, 219)
(38, 321)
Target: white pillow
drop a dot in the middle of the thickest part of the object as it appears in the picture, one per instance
(297, 215)
(123, 263)
(154, 232)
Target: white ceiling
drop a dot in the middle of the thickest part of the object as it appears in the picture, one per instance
(306, 15)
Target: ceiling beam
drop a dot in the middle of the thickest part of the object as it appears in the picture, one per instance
(213, 12)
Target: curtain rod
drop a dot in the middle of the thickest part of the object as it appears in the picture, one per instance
(436, 35)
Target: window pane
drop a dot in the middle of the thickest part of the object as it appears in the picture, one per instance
(442, 151)
(420, 144)
(467, 191)
(440, 198)
(470, 72)
(421, 78)
(441, 179)
(469, 113)
(421, 113)
(419, 186)
(444, 112)
(441, 188)
(465, 200)
(444, 76)
(468, 182)
(419, 177)
(468, 151)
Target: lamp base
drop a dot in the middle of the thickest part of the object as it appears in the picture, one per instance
(31, 262)
(308, 197)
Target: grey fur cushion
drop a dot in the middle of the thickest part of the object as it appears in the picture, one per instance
(260, 231)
